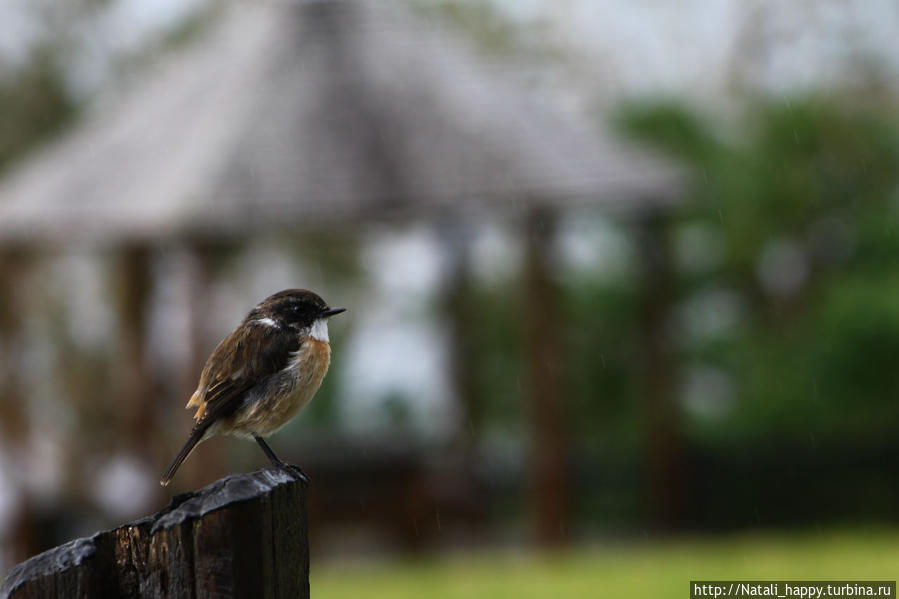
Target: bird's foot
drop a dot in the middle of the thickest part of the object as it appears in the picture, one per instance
(279, 463)
(293, 469)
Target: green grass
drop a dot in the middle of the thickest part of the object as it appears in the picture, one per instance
(618, 569)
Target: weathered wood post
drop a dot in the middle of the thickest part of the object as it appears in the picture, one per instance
(244, 535)
(545, 362)
(657, 347)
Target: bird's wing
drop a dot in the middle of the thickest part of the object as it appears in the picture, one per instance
(243, 359)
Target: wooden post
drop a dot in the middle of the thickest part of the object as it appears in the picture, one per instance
(14, 265)
(134, 387)
(463, 318)
(201, 258)
(658, 371)
(242, 536)
(549, 454)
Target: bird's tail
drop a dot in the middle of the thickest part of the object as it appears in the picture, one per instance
(197, 435)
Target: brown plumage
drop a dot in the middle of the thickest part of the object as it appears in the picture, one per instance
(262, 374)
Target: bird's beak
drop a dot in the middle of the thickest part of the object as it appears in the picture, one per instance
(329, 312)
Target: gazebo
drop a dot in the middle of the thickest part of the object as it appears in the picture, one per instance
(285, 117)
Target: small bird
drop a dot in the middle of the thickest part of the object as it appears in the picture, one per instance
(263, 373)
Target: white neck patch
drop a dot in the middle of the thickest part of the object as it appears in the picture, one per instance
(319, 330)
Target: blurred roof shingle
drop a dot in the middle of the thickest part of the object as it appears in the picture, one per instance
(286, 114)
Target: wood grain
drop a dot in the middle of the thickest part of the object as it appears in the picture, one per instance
(242, 536)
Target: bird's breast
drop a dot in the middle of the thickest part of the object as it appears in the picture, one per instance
(307, 367)
(273, 403)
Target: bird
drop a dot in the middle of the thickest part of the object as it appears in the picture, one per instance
(262, 374)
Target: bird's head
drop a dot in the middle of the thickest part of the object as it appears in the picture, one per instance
(298, 309)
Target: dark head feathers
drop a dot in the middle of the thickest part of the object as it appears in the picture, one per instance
(292, 306)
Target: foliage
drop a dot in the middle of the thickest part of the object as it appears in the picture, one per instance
(34, 104)
(801, 204)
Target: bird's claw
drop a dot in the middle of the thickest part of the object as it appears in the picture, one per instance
(295, 470)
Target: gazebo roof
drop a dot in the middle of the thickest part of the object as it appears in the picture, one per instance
(290, 114)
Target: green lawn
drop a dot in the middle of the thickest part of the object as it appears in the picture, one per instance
(619, 569)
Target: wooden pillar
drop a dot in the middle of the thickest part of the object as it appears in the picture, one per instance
(542, 318)
(134, 398)
(658, 371)
(463, 321)
(13, 418)
(15, 264)
(201, 265)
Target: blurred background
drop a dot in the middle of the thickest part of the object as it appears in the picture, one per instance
(621, 279)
